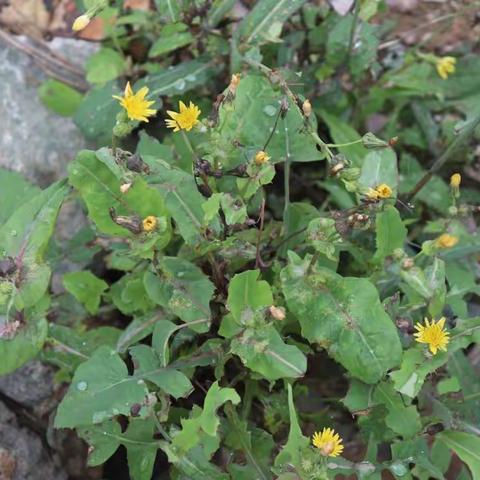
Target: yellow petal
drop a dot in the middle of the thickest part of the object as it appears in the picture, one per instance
(128, 90)
(182, 106)
(141, 94)
(172, 114)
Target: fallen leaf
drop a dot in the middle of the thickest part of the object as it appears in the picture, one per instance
(26, 16)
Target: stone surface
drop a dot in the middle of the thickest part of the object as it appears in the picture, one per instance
(33, 140)
(22, 453)
(31, 385)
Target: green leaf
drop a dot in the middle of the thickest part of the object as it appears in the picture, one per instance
(169, 43)
(161, 336)
(402, 419)
(178, 79)
(25, 345)
(96, 115)
(262, 350)
(342, 132)
(137, 329)
(390, 232)
(129, 294)
(59, 97)
(105, 439)
(183, 289)
(265, 21)
(380, 166)
(343, 314)
(14, 192)
(101, 389)
(207, 422)
(148, 367)
(245, 290)
(86, 288)
(170, 9)
(359, 396)
(218, 11)
(249, 119)
(28, 230)
(466, 446)
(291, 452)
(100, 190)
(105, 65)
(183, 200)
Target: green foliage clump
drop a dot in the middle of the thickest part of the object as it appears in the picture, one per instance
(257, 271)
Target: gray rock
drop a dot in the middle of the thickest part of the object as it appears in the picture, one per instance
(31, 385)
(22, 453)
(33, 140)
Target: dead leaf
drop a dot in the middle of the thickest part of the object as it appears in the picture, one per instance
(137, 4)
(94, 31)
(30, 17)
(342, 7)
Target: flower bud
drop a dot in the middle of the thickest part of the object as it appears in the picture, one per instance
(278, 313)
(149, 223)
(455, 180)
(80, 23)
(121, 130)
(307, 108)
(234, 82)
(369, 140)
(125, 187)
(446, 241)
(261, 157)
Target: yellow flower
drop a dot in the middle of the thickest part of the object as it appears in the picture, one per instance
(80, 23)
(381, 191)
(445, 240)
(328, 442)
(149, 223)
(455, 180)
(135, 104)
(445, 66)
(186, 119)
(434, 334)
(261, 157)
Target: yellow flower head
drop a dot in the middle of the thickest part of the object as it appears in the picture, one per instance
(135, 104)
(455, 180)
(261, 157)
(80, 23)
(186, 119)
(149, 223)
(445, 66)
(434, 334)
(380, 192)
(328, 442)
(445, 240)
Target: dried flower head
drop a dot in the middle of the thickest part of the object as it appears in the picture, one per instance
(307, 108)
(185, 119)
(446, 66)
(380, 192)
(125, 187)
(328, 442)
(434, 334)
(136, 106)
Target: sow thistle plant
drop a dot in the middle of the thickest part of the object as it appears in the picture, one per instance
(261, 291)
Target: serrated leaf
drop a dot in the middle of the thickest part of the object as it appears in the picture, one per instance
(466, 446)
(291, 452)
(86, 288)
(148, 367)
(183, 289)
(206, 421)
(101, 389)
(343, 314)
(255, 27)
(263, 350)
(100, 190)
(25, 345)
(250, 123)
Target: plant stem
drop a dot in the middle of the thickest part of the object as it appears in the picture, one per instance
(337, 145)
(352, 31)
(258, 261)
(188, 144)
(462, 137)
(235, 424)
(286, 211)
